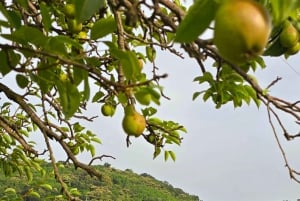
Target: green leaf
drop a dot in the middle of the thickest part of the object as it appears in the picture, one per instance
(166, 155)
(206, 77)
(150, 53)
(98, 95)
(4, 24)
(46, 75)
(67, 40)
(28, 173)
(58, 45)
(103, 27)
(86, 90)
(34, 194)
(155, 120)
(261, 62)
(74, 191)
(23, 3)
(10, 191)
(128, 59)
(282, 9)
(149, 111)
(208, 93)
(156, 152)
(85, 9)
(122, 98)
(92, 149)
(69, 97)
(26, 34)
(22, 80)
(46, 186)
(196, 94)
(130, 64)
(44, 78)
(77, 127)
(79, 75)
(97, 140)
(196, 21)
(9, 59)
(5, 68)
(46, 17)
(172, 154)
(13, 18)
(253, 95)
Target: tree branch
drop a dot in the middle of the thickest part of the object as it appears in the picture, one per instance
(45, 130)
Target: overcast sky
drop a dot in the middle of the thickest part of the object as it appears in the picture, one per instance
(228, 154)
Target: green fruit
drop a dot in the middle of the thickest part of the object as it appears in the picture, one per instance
(63, 77)
(143, 97)
(242, 29)
(133, 122)
(293, 50)
(141, 64)
(289, 35)
(70, 10)
(82, 35)
(74, 26)
(108, 110)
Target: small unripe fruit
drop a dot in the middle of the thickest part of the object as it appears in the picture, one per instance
(141, 64)
(108, 110)
(289, 35)
(69, 10)
(242, 29)
(143, 97)
(74, 26)
(293, 50)
(82, 35)
(133, 122)
(63, 77)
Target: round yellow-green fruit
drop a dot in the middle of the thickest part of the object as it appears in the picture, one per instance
(82, 35)
(143, 97)
(69, 10)
(108, 110)
(133, 122)
(63, 77)
(242, 29)
(141, 64)
(294, 49)
(74, 26)
(289, 35)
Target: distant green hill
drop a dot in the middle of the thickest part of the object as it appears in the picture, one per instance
(115, 185)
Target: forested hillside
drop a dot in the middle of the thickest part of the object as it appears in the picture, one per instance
(114, 185)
